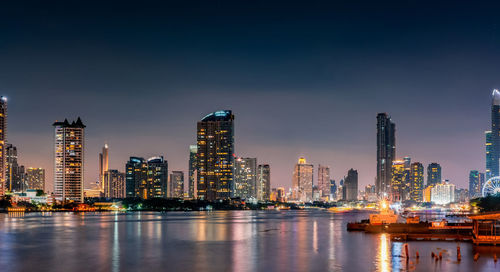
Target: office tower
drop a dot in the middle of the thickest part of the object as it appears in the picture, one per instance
(333, 191)
(103, 165)
(417, 182)
(263, 182)
(324, 180)
(245, 178)
(370, 193)
(427, 193)
(14, 174)
(474, 184)
(3, 141)
(341, 191)
(177, 184)
(302, 181)
(136, 172)
(280, 194)
(461, 195)
(35, 178)
(156, 183)
(493, 158)
(193, 149)
(433, 173)
(386, 153)
(443, 193)
(114, 184)
(490, 160)
(351, 185)
(69, 160)
(482, 181)
(215, 161)
(398, 182)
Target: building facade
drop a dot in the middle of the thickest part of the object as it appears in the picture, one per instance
(177, 184)
(103, 165)
(245, 178)
(147, 179)
(443, 193)
(264, 183)
(35, 178)
(351, 185)
(69, 146)
(493, 138)
(302, 181)
(114, 184)
(136, 172)
(3, 142)
(386, 153)
(433, 173)
(215, 156)
(417, 182)
(193, 149)
(398, 182)
(324, 180)
(15, 173)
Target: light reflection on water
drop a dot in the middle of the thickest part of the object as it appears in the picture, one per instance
(214, 241)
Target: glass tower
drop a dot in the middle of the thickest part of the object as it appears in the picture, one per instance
(3, 140)
(433, 174)
(417, 182)
(193, 149)
(492, 159)
(386, 153)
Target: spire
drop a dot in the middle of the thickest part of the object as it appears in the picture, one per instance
(496, 97)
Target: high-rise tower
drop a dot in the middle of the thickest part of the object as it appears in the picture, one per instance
(492, 163)
(68, 160)
(263, 182)
(386, 153)
(302, 181)
(324, 180)
(3, 140)
(193, 149)
(433, 173)
(103, 165)
(215, 157)
(245, 178)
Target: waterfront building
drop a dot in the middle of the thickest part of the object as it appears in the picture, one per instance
(351, 185)
(370, 193)
(302, 181)
(15, 174)
(493, 138)
(215, 157)
(461, 195)
(482, 181)
(263, 182)
(433, 173)
(398, 182)
(69, 146)
(103, 165)
(193, 149)
(427, 193)
(333, 191)
(3, 142)
(417, 182)
(443, 193)
(147, 179)
(245, 178)
(386, 153)
(177, 184)
(280, 194)
(35, 178)
(114, 184)
(324, 180)
(475, 189)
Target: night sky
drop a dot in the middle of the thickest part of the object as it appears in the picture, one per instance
(302, 78)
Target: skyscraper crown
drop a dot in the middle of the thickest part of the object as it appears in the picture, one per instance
(496, 97)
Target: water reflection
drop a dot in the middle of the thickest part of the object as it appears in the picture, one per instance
(383, 256)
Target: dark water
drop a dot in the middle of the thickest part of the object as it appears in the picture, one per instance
(215, 241)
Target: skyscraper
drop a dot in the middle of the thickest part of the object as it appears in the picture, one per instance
(147, 179)
(15, 175)
(215, 157)
(443, 193)
(136, 172)
(490, 160)
(264, 182)
(324, 180)
(351, 185)
(114, 184)
(193, 149)
(35, 178)
(386, 153)
(3, 141)
(433, 173)
(69, 160)
(398, 182)
(493, 163)
(474, 184)
(103, 165)
(417, 182)
(177, 184)
(245, 178)
(302, 181)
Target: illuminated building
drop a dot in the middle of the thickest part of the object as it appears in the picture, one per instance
(443, 193)
(370, 193)
(193, 149)
(302, 181)
(3, 140)
(474, 184)
(398, 182)
(386, 153)
(433, 173)
(114, 184)
(177, 184)
(492, 159)
(14, 176)
(69, 160)
(35, 178)
(280, 194)
(324, 180)
(147, 179)
(333, 191)
(427, 194)
(351, 185)
(103, 165)
(274, 194)
(245, 178)
(263, 182)
(215, 157)
(482, 180)
(417, 181)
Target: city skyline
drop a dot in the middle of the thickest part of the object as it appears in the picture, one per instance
(270, 85)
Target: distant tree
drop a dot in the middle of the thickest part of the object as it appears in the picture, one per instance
(489, 203)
